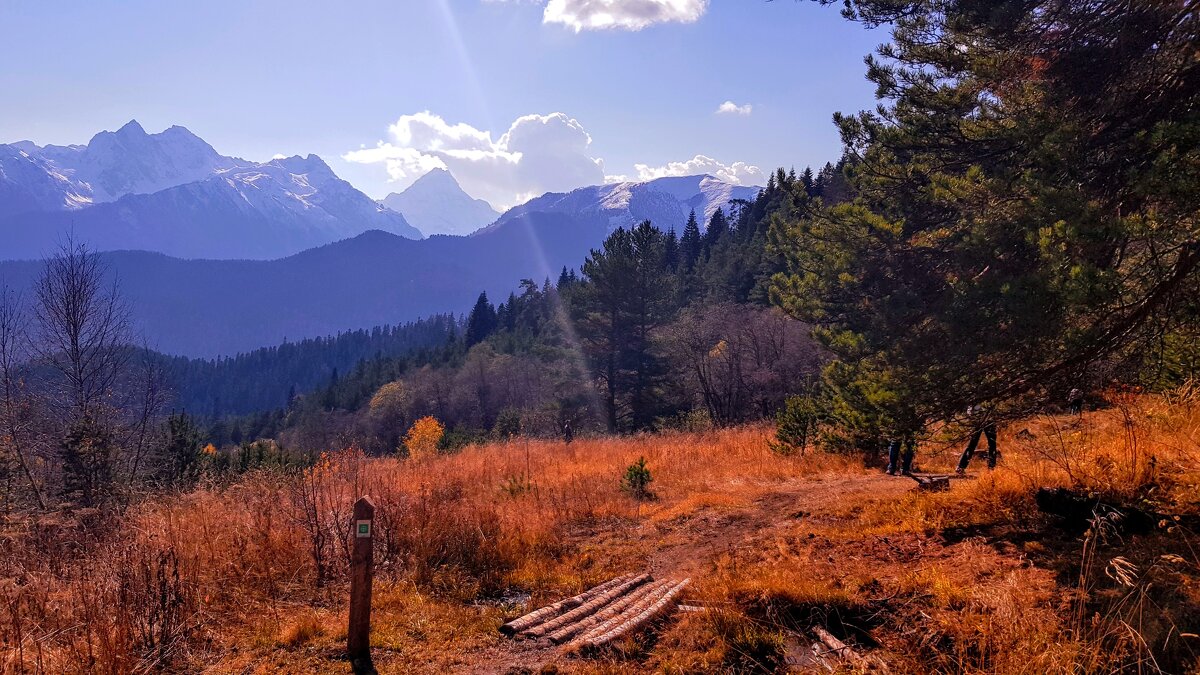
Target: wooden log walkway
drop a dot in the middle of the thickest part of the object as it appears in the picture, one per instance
(601, 614)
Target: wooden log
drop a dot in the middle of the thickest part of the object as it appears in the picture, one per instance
(934, 484)
(646, 615)
(588, 607)
(617, 619)
(612, 610)
(635, 622)
(838, 647)
(550, 611)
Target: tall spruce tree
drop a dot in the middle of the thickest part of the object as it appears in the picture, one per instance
(691, 244)
(481, 322)
(809, 181)
(670, 251)
(718, 227)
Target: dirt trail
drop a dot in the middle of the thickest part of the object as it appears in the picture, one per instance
(694, 542)
(689, 545)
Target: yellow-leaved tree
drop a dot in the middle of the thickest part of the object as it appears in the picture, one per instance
(389, 399)
(423, 437)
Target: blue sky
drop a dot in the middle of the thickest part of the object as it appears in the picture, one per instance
(417, 83)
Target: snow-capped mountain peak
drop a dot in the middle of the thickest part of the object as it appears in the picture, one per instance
(437, 204)
(665, 202)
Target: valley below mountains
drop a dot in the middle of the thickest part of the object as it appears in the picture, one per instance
(217, 255)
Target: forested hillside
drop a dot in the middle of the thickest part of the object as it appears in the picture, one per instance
(655, 330)
(271, 377)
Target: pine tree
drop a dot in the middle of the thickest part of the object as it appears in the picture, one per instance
(671, 251)
(718, 228)
(564, 278)
(86, 455)
(626, 295)
(809, 182)
(691, 245)
(1019, 216)
(481, 322)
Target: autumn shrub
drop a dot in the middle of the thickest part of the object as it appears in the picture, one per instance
(321, 500)
(423, 437)
(449, 541)
(696, 420)
(155, 603)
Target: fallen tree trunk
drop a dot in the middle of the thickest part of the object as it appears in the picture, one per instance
(549, 612)
(587, 608)
(596, 638)
(632, 598)
(835, 645)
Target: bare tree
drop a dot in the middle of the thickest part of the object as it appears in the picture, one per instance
(742, 361)
(148, 398)
(15, 404)
(83, 339)
(83, 328)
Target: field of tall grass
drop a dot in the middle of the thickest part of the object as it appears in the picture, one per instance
(250, 575)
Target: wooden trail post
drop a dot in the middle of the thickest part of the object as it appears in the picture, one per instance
(358, 638)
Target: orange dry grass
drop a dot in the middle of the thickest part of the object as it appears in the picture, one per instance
(260, 552)
(1142, 449)
(250, 576)
(975, 579)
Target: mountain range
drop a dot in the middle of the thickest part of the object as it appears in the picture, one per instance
(666, 202)
(316, 256)
(173, 193)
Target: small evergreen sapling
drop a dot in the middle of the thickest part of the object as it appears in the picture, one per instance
(637, 480)
(795, 425)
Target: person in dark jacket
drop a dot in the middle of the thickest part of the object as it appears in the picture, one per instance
(1075, 401)
(985, 425)
(900, 454)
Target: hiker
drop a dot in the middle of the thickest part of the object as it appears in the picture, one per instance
(986, 426)
(567, 432)
(901, 450)
(1075, 401)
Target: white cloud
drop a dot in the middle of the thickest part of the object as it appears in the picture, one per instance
(731, 108)
(739, 173)
(537, 154)
(581, 15)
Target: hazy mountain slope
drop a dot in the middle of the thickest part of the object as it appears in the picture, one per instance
(126, 161)
(216, 307)
(30, 183)
(130, 161)
(436, 204)
(264, 379)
